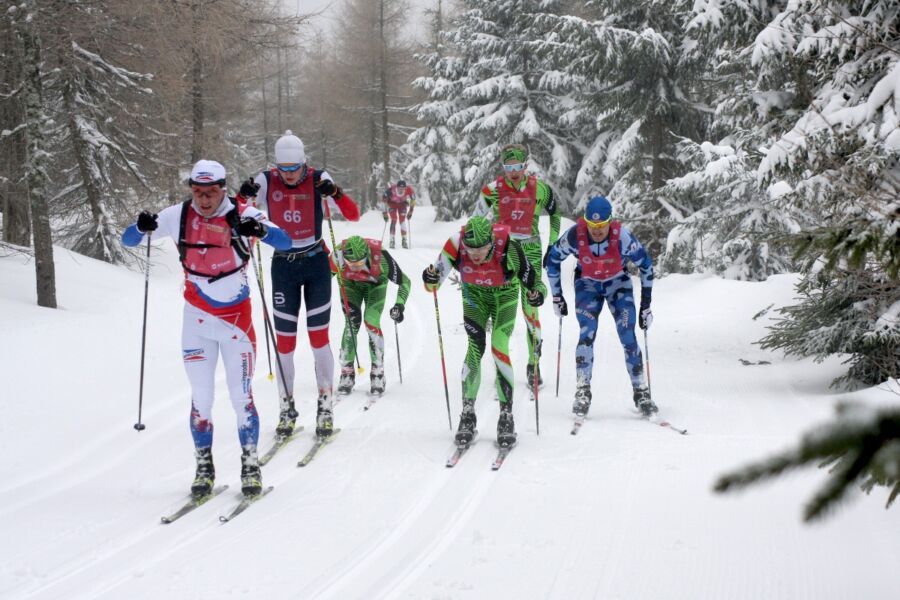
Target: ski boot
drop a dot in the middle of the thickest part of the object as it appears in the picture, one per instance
(529, 375)
(347, 381)
(324, 418)
(286, 418)
(506, 427)
(392, 244)
(403, 242)
(377, 379)
(467, 422)
(643, 402)
(251, 476)
(582, 403)
(206, 473)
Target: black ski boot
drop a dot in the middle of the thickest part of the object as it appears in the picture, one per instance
(643, 402)
(467, 423)
(286, 418)
(506, 427)
(206, 473)
(251, 476)
(377, 378)
(324, 418)
(582, 403)
(529, 375)
(347, 381)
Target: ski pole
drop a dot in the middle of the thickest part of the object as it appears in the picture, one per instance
(437, 316)
(344, 300)
(383, 229)
(268, 325)
(534, 382)
(647, 361)
(397, 340)
(558, 355)
(139, 426)
(262, 293)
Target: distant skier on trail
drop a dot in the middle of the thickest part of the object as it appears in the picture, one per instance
(398, 203)
(602, 246)
(366, 270)
(212, 234)
(296, 197)
(491, 265)
(516, 199)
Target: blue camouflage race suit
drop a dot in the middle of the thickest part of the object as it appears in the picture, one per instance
(590, 295)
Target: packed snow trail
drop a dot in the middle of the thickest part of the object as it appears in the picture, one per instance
(623, 509)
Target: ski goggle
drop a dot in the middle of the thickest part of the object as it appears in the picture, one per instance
(597, 224)
(205, 192)
(514, 168)
(289, 167)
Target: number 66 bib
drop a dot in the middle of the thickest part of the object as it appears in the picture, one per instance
(293, 208)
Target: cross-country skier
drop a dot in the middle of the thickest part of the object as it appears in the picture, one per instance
(294, 195)
(491, 265)
(211, 232)
(602, 246)
(398, 203)
(365, 271)
(516, 199)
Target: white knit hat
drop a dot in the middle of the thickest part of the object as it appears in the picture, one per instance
(289, 150)
(207, 172)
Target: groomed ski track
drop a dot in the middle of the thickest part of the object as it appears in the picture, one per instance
(622, 510)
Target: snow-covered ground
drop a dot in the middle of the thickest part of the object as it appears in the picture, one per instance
(623, 510)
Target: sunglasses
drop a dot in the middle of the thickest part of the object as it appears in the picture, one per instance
(515, 167)
(289, 168)
(597, 224)
(480, 252)
(205, 192)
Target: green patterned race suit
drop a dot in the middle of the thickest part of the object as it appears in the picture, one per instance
(487, 206)
(373, 294)
(497, 304)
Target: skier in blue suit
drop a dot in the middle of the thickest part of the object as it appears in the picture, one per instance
(601, 246)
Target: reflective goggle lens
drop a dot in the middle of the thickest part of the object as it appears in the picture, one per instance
(290, 168)
(597, 224)
(514, 167)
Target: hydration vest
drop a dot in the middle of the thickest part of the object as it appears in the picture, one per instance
(490, 273)
(292, 208)
(373, 271)
(516, 207)
(397, 200)
(605, 266)
(207, 246)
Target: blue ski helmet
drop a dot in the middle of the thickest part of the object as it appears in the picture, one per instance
(598, 210)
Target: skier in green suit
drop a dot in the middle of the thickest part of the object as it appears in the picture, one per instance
(491, 266)
(516, 199)
(365, 270)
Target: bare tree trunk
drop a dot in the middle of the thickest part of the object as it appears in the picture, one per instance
(382, 97)
(278, 77)
(197, 108)
(45, 273)
(16, 217)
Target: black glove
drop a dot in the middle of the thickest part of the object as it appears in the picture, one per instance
(249, 188)
(327, 187)
(430, 276)
(385, 215)
(535, 297)
(396, 313)
(645, 315)
(249, 227)
(409, 213)
(146, 222)
(560, 307)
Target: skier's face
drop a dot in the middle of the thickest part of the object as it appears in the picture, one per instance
(598, 234)
(356, 265)
(207, 198)
(514, 170)
(478, 255)
(291, 174)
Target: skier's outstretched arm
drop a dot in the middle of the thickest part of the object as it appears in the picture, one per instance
(557, 253)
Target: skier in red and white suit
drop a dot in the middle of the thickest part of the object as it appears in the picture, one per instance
(398, 203)
(212, 234)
